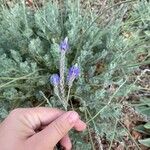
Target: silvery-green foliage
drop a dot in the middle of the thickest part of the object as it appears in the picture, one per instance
(105, 50)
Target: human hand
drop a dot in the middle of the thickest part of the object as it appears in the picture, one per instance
(38, 129)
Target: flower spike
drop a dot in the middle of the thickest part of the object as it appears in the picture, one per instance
(64, 46)
(73, 73)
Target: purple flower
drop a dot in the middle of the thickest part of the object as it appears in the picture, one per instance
(64, 46)
(55, 79)
(74, 72)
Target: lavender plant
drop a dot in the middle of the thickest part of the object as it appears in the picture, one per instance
(105, 42)
(59, 82)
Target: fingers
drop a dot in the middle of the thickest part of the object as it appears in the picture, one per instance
(65, 142)
(41, 117)
(80, 125)
(53, 133)
(36, 117)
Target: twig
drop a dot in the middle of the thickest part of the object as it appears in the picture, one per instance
(42, 94)
(97, 137)
(89, 132)
(129, 134)
(113, 134)
(16, 79)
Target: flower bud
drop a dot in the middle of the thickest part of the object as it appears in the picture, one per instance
(73, 73)
(55, 79)
(64, 46)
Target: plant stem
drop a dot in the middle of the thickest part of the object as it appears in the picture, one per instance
(42, 94)
(90, 136)
(63, 103)
(96, 131)
(68, 93)
(56, 91)
(62, 72)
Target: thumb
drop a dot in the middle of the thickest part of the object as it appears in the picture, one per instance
(55, 131)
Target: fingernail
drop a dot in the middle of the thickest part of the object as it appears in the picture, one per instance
(73, 117)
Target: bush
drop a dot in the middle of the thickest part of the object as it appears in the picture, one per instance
(104, 44)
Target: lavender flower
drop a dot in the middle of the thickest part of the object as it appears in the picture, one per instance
(64, 46)
(74, 72)
(55, 79)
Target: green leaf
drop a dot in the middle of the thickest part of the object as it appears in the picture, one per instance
(147, 33)
(140, 128)
(146, 101)
(145, 142)
(147, 125)
(145, 110)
